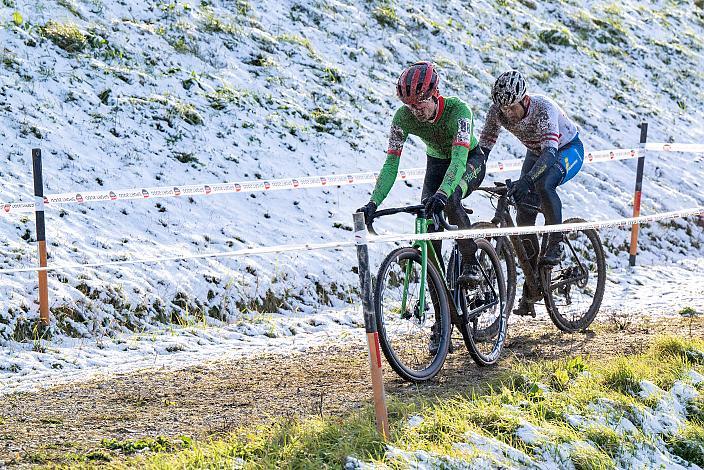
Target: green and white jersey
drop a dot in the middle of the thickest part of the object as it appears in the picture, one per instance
(449, 136)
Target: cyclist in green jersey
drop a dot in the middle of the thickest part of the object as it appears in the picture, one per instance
(455, 163)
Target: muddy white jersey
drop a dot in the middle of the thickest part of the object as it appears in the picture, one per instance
(545, 125)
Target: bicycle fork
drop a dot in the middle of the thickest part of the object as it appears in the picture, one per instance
(423, 246)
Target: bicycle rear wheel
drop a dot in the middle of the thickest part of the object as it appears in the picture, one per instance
(485, 313)
(577, 284)
(415, 342)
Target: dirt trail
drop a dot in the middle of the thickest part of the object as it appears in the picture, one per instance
(214, 398)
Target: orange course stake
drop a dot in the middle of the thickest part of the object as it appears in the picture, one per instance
(41, 235)
(636, 197)
(382, 416)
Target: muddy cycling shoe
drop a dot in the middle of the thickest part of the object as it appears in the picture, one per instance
(434, 343)
(553, 254)
(471, 275)
(525, 308)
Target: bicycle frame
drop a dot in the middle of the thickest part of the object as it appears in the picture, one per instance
(536, 283)
(505, 220)
(424, 246)
(427, 251)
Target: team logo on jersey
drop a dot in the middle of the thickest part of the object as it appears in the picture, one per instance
(464, 131)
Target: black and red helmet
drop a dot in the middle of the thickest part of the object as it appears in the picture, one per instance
(418, 83)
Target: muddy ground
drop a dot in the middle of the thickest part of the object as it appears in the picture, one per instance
(45, 427)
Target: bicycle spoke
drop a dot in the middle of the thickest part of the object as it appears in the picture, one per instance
(407, 326)
(577, 283)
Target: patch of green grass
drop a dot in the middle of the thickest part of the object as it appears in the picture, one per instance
(557, 36)
(332, 75)
(187, 112)
(542, 77)
(689, 444)
(224, 96)
(67, 36)
(157, 444)
(315, 443)
(586, 457)
(688, 311)
(604, 438)
(545, 394)
(17, 19)
(695, 410)
(623, 377)
(214, 23)
(325, 119)
(186, 157)
(301, 41)
(183, 44)
(687, 350)
(386, 16)
(610, 31)
(260, 60)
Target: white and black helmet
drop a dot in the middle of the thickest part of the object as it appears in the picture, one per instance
(509, 88)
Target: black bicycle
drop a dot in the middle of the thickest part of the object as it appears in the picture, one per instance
(417, 301)
(573, 289)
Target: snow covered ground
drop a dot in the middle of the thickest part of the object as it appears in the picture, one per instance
(26, 367)
(141, 93)
(632, 294)
(127, 94)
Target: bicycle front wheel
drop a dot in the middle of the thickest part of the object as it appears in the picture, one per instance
(484, 308)
(415, 338)
(577, 283)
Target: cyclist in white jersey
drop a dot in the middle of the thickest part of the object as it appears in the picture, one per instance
(554, 155)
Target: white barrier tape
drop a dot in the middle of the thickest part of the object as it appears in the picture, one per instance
(221, 254)
(482, 233)
(665, 147)
(38, 203)
(303, 182)
(16, 207)
(360, 238)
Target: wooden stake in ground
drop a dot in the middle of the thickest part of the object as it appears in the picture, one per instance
(365, 281)
(637, 195)
(41, 235)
